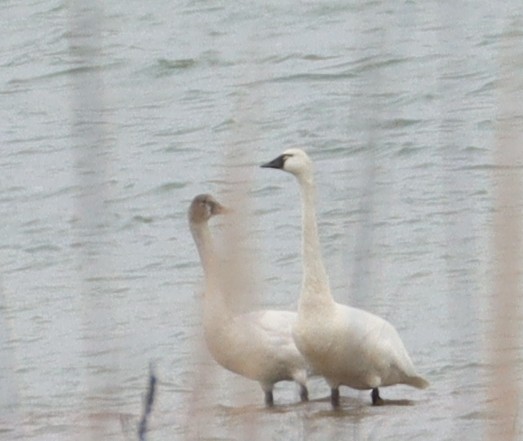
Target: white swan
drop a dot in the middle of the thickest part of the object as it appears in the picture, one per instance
(259, 344)
(348, 346)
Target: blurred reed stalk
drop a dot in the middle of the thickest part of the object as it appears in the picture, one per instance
(504, 339)
(241, 270)
(238, 276)
(10, 409)
(90, 145)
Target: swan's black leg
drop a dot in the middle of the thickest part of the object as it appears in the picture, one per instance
(304, 393)
(376, 399)
(335, 397)
(269, 400)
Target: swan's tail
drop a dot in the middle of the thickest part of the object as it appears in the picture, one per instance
(418, 382)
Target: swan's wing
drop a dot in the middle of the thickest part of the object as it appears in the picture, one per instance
(272, 327)
(378, 339)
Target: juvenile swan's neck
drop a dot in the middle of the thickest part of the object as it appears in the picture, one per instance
(215, 306)
(315, 289)
(203, 240)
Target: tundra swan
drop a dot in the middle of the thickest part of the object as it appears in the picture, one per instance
(346, 345)
(257, 345)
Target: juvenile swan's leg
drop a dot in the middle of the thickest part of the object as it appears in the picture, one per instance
(376, 399)
(304, 393)
(269, 400)
(335, 397)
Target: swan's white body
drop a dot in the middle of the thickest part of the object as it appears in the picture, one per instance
(258, 345)
(347, 346)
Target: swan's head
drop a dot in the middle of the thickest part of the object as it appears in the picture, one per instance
(203, 207)
(294, 161)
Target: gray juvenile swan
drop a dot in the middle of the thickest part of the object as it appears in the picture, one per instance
(257, 345)
(347, 346)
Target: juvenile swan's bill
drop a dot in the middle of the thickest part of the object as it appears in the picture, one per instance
(257, 345)
(348, 346)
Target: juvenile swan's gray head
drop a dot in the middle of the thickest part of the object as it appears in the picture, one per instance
(294, 161)
(203, 207)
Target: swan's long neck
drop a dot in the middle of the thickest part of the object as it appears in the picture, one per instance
(215, 307)
(204, 244)
(315, 288)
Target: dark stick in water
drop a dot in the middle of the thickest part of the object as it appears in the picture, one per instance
(148, 405)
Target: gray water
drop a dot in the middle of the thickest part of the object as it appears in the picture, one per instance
(115, 115)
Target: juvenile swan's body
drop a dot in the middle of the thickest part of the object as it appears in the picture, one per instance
(258, 345)
(348, 346)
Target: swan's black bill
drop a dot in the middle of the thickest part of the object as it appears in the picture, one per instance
(275, 163)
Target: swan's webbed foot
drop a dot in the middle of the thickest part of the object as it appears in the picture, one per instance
(304, 393)
(335, 397)
(269, 399)
(376, 399)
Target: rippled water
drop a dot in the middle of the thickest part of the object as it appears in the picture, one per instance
(116, 115)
